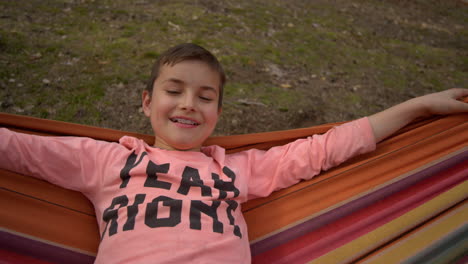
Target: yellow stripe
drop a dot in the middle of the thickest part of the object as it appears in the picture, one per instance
(394, 228)
(424, 238)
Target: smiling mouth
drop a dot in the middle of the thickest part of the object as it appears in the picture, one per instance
(184, 121)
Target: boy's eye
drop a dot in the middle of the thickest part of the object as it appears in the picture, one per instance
(204, 98)
(172, 92)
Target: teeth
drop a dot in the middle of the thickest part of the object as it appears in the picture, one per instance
(184, 121)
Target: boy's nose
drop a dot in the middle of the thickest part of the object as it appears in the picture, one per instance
(188, 103)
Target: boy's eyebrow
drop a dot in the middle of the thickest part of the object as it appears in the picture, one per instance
(204, 87)
(174, 80)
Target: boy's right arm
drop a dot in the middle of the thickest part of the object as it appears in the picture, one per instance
(63, 161)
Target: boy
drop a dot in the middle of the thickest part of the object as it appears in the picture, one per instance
(179, 202)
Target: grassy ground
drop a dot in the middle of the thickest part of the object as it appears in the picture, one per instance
(289, 63)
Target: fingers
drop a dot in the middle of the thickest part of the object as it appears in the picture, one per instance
(458, 106)
(457, 92)
(461, 105)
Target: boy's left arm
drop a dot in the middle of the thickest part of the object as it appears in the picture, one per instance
(387, 122)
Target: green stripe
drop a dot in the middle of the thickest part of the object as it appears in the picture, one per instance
(445, 250)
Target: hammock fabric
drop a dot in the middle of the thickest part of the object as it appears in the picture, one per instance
(406, 202)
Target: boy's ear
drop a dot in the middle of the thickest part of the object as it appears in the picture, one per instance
(146, 102)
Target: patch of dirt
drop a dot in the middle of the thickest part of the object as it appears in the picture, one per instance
(121, 108)
(310, 96)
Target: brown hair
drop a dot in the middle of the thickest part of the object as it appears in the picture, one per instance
(183, 52)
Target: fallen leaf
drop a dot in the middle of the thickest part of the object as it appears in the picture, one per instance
(247, 102)
(175, 26)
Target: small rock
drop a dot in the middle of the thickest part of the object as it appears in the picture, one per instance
(46, 81)
(72, 61)
(20, 85)
(290, 25)
(356, 87)
(270, 32)
(36, 56)
(51, 110)
(275, 70)
(286, 85)
(17, 109)
(11, 80)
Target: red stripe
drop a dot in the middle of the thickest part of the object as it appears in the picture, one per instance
(8, 257)
(338, 233)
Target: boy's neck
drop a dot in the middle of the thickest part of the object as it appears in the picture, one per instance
(163, 145)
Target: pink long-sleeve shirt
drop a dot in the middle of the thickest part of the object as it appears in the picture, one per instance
(159, 206)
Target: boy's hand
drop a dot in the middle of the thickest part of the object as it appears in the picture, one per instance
(443, 103)
(390, 120)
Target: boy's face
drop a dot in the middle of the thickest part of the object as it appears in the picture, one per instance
(183, 108)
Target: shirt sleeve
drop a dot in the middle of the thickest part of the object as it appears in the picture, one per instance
(69, 162)
(283, 166)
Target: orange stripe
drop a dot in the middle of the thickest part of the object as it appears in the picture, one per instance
(48, 222)
(53, 127)
(43, 190)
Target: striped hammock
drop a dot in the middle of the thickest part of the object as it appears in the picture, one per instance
(406, 202)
